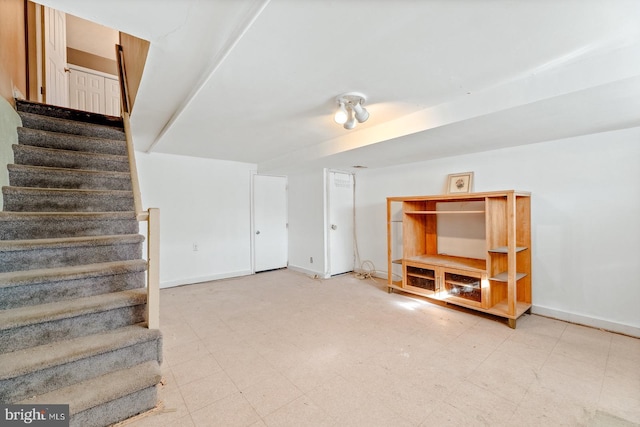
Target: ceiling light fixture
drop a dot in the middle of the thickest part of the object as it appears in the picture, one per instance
(350, 109)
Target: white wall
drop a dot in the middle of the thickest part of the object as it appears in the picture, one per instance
(585, 210)
(204, 202)
(9, 121)
(306, 222)
(90, 37)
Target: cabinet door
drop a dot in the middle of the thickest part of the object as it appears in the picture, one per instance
(464, 287)
(420, 278)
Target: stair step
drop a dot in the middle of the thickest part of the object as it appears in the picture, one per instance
(25, 199)
(51, 124)
(51, 157)
(67, 113)
(109, 398)
(31, 326)
(42, 225)
(47, 285)
(62, 141)
(47, 177)
(41, 369)
(27, 254)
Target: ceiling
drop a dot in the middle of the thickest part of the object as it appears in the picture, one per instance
(255, 80)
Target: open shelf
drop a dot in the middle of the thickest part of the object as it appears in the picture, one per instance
(505, 249)
(470, 264)
(504, 276)
(502, 309)
(442, 212)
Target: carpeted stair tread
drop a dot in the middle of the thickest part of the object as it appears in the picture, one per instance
(22, 225)
(66, 200)
(21, 362)
(30, 277)
(51, 124)
(65, 216)
(66, 242)
(79, 179)
(55, 158)
(96, 391)
(27, 254)
(62, 141)
(31, 315)
(67, 113)
(47, 285)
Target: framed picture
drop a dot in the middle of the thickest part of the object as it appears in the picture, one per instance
(460, 182)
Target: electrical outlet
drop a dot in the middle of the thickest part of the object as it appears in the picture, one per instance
(195, 247)
(310, 260)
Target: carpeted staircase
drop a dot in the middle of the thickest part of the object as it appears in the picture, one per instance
(72, 277)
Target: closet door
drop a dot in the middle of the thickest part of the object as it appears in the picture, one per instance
(87, 92)
(112, 97)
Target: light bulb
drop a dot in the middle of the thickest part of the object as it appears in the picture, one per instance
(341, 115)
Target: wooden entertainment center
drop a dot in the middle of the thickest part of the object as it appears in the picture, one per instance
(471, 249)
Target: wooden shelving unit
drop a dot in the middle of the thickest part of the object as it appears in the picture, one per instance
(495, 280)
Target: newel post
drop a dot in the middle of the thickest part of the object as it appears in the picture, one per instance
(153, 269)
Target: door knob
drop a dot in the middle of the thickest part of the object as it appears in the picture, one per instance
(334, 227)
(258, 232)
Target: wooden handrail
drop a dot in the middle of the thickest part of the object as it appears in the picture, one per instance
(151, 216)
(135, 183)
(125, 102)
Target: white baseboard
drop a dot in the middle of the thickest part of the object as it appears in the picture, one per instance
(593, 322)
(194, 280)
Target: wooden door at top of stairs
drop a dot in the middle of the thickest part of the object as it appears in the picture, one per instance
(55, 58)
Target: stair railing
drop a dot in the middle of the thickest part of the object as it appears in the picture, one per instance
(150, 216)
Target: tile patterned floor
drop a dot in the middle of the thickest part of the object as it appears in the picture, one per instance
(282, 349)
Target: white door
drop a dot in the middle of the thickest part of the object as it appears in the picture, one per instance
(86, 91)
(270, 222)
(90, 90)
(55, 58)
(112, 97)
(340, 221)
